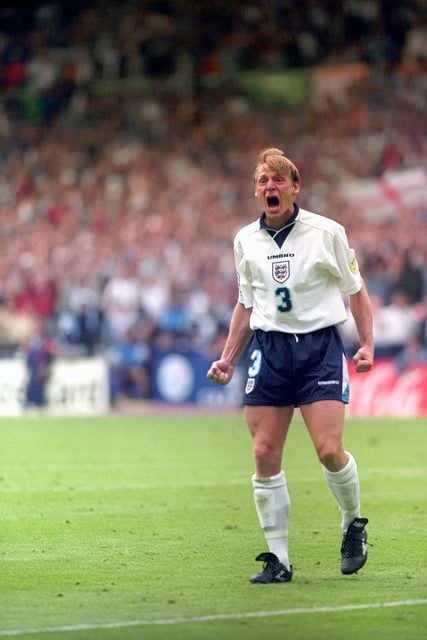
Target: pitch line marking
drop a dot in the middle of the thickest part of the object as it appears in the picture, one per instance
(211, 618)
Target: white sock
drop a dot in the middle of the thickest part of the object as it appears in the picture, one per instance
(273, 505)
(344, 485)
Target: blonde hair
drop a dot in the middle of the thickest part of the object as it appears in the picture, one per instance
(276, 160)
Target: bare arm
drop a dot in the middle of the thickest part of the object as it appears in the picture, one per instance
(221, 371)
(361, 309)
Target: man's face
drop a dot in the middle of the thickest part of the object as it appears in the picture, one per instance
(275, 192)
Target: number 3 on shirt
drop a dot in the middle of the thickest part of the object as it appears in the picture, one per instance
(285, 302)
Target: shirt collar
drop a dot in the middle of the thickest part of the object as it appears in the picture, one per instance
(263, 222)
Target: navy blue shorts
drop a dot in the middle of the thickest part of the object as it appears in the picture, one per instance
(288, 369)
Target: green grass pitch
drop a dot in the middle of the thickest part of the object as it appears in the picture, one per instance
(129, 528)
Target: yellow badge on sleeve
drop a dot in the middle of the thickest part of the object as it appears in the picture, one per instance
(353, 265)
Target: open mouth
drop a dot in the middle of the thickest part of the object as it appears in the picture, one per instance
(273, 201)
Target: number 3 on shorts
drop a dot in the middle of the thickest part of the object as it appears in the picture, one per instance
(256, 357)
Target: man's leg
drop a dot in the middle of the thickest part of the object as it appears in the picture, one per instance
(325, 422)
(268, 427)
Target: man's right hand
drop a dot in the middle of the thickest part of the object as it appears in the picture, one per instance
(220, 372)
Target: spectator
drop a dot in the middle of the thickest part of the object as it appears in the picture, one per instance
(121, 301)
(395, 325)
(130, 361)
(413, 354)
(409, 278)
(40, 353)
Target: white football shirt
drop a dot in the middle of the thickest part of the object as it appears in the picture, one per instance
(298, 287)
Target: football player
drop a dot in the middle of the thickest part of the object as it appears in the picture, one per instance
(293, 267)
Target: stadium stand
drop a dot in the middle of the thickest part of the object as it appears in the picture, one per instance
(125, 134)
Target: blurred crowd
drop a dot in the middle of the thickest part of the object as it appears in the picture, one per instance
(118, 204)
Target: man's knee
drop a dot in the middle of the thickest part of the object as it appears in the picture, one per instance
(331, 455)
(267, 455)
